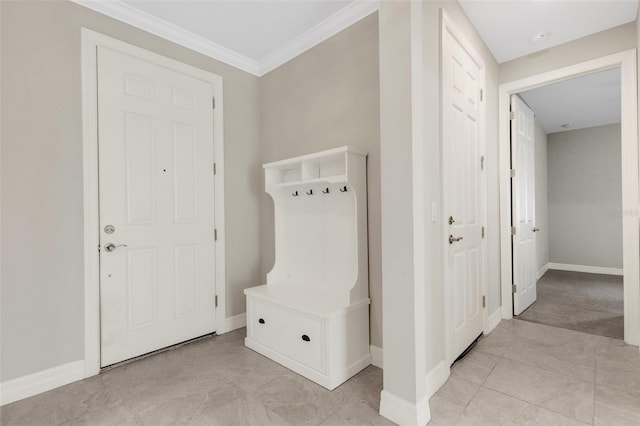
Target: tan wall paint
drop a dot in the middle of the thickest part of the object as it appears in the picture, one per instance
(325, 98)
(585, 197)
(594, 46)
(402, 342)
(42, 219)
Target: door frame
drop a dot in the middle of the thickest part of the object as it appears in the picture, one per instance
(448, 25)
(91, 40)
(626, 61)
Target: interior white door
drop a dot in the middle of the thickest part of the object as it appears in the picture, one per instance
(157, 269)
(523, 205)
(462, 196)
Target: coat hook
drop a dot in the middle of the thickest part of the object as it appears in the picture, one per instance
(325, 191)
(310, 192)
(295, 194)
(343, 189)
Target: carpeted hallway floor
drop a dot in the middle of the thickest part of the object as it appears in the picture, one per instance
(590, 303)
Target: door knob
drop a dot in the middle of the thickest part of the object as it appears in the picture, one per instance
(453, 239)
(109, 247)
(536, 229)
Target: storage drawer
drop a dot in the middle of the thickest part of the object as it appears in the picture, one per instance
(297, 336)
(266, 324)
(305, 340)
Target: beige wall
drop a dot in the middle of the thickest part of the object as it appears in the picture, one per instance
(594, 46)
(403, 342)
(325, 98)
(41, 164)
(542, 207)
(585, 197)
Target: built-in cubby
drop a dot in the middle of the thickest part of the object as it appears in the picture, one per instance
(312, 315)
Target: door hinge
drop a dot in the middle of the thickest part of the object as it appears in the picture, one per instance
(215, 235)
(214, 169)
(482, 162)
(483, 232)
(481, 95)
(213, 101)
(514, 288)
(484, 301)
(512, 173)
(513, 230)
(216, 300)
(512, 115)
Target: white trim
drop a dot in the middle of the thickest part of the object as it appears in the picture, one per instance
(626, 60)
(403, 412)
(327, 28)
(90, 41)
(449, 25)
(161, 28)
(542, 271)
(437, 377)
(235, 322)
(376, 356)
(493, 321)
(337, 22)
(587, 269)
(42, 381)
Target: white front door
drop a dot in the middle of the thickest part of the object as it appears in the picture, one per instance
(157, 269)
(523, 205)
(463, 192)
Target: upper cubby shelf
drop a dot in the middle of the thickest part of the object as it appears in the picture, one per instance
(327, 166)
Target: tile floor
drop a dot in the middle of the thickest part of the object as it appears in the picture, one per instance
(525, 373)
(592, 303)
(521, 374)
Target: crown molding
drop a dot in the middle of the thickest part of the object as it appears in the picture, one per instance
(161, 28)
(335, 23)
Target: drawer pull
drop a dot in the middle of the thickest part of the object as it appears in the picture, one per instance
(306, 338)
(261, 321)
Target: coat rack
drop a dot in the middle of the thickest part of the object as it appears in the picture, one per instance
(312, 316)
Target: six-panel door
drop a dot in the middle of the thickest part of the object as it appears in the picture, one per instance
(157, 281)
(462, 196)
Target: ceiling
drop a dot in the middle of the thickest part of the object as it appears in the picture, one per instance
(587, 101)
(257, 36)
(253, 35)
(254, 29)
(508, 26)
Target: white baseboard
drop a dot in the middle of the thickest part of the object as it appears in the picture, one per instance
(402, 412)
(542, 271)
(376, 356)
(587, 269)
(493, 320)
(437, 377)
(42, 381)
(235, 322)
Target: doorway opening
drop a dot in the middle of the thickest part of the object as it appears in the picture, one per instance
(567, 204)
(623, 63)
